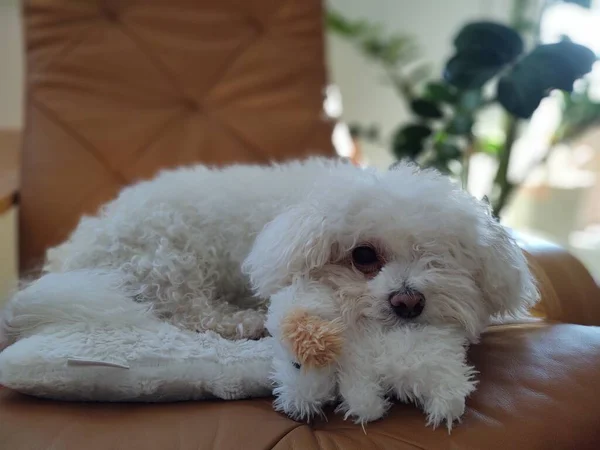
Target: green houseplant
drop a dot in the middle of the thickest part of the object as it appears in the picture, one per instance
(491, 65)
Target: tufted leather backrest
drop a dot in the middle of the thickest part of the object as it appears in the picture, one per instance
(117, 90)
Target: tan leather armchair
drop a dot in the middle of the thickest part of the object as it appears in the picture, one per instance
(117, 90)
(120, 89)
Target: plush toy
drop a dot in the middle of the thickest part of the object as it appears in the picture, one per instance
(321, 358)
(315, 343)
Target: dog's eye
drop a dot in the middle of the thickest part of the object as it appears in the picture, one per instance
(366, 259)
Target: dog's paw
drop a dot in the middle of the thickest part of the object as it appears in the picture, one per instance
(443, 397)
(297, 407)
(367, 409)
(444, 411)
(446, 404)
(300, 393)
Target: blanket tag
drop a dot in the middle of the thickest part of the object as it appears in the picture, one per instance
(76, 361)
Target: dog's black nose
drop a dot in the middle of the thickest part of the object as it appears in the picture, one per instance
(407, 303)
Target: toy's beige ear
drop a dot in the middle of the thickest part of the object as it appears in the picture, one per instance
(315, 342)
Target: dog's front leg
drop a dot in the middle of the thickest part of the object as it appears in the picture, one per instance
(300, 391)
(428, 366)
(362, 394)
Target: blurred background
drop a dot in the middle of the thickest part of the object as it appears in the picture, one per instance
(552, 172)
(502, 95)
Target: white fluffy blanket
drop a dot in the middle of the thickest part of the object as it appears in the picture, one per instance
(117, 352)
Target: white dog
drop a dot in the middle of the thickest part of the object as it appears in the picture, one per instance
(208, 249)
(421, 363)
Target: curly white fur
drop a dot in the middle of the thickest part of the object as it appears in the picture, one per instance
(424, 364)
(206, 249)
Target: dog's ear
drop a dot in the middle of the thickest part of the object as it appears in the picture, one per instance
(292, 245)
(503, 274)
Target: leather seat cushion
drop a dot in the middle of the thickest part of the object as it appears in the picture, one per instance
(538, 390)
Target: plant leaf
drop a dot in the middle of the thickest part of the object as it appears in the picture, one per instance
(471, 70)
(502, 43)
(440, 165)
(339, 24)
(447, 151)
(372, 40)
(470, 100)
(460, 124)
(426, 108)
(408, 140)
(440, 92)
(489, 146)
(483, 49)
(420, 72)
(547, 67)
(440, 136)
(399, 48)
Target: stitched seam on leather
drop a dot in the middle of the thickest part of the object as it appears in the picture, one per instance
(139, 152)
(320, 444)
(237, 53)
(288, 433)
(240, 137)
(80, 205)
(163, 68)
(153, 58)
(240, 51)
(68, 47)
(399, 439)
(53, 117)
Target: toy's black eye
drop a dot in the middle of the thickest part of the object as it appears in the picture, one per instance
(366, 259)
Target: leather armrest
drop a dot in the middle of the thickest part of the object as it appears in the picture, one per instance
(569, 294)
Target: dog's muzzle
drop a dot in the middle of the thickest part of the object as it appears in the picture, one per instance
(407, 303)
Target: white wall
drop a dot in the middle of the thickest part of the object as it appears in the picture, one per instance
(11, 65)
(432, 22)
(11, 117)
(8, 250)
